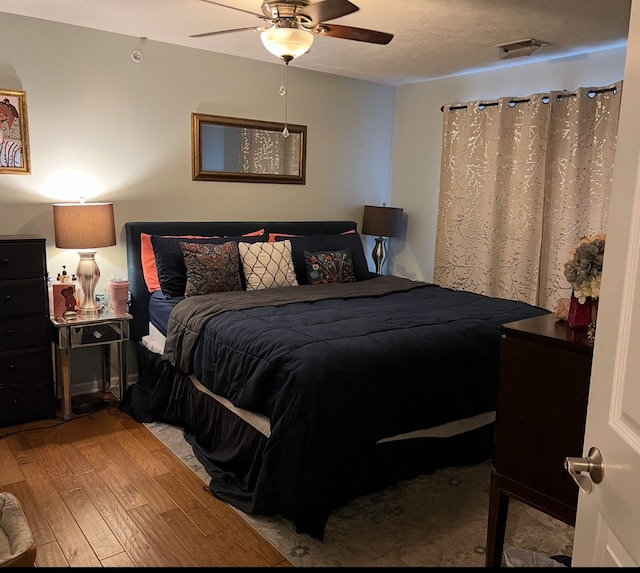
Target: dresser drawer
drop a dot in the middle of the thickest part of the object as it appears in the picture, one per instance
(22, 366)
(23, 331)
(28, 296)
(26, 402)
(27, 390)
(21, 260)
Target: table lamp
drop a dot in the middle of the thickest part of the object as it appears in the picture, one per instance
(381, 222)
(85, 227)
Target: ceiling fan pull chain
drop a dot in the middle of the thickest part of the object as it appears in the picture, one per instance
(283, 92)
(283, 87)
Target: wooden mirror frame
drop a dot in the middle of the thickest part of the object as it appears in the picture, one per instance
(199, 123)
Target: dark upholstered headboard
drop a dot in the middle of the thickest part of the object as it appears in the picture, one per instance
(139, 292)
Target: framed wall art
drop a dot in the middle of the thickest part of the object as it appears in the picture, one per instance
(14, 132)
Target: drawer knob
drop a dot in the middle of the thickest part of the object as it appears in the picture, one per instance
(10, 332)
(7, 298)
(12, 367)
(5, 261)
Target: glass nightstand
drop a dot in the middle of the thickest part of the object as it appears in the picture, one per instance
(103, 330)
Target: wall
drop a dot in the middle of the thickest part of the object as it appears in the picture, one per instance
(418, 131)
(109, 129)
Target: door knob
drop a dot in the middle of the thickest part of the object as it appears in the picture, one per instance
(592, 465)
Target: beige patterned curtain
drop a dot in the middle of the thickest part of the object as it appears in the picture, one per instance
(263, 151)
(521, 181)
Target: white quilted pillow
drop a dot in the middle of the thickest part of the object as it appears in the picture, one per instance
(267, 265)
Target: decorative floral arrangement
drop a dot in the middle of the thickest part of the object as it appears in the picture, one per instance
(583, 270)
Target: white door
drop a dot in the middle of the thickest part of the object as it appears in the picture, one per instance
(608, 522)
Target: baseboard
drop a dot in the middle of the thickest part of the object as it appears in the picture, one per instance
(93, 386)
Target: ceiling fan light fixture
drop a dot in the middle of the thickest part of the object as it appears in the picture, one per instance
(287, 43)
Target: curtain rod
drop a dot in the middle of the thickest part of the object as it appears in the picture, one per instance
(513, 102)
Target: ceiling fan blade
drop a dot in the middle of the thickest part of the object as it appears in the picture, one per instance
(254, 28)
(351, 33)
(327, 10)
(233, 8)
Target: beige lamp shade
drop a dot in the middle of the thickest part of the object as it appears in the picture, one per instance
(84, 225)
(382, 221)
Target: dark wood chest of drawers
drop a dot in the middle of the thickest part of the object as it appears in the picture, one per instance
(545, 369)
(26, 370)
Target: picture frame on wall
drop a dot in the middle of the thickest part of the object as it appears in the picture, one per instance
(14, 132)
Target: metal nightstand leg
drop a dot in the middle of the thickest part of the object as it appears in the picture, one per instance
(106, 367)
(122, 357)
(63, 375)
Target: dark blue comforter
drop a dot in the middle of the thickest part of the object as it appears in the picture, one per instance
(338, 373)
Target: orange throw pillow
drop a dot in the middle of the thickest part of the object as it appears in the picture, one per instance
(274, 236)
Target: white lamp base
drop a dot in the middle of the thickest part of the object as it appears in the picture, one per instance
(88, 274)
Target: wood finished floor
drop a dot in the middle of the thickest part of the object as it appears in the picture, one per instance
(103, 491)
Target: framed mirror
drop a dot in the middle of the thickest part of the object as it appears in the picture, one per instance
(249, 150)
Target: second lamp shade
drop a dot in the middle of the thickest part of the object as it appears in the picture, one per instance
(382, 221)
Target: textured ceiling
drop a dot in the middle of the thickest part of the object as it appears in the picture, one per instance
(432, 38)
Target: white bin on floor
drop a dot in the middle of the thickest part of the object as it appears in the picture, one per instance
(17, 546)
(524, 558)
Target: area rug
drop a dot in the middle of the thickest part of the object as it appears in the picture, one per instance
(435, 520)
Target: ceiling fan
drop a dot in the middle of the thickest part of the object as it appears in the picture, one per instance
(290, 25)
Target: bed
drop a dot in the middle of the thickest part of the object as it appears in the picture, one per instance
(306, 380)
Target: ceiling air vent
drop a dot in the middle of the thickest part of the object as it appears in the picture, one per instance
(518, 49)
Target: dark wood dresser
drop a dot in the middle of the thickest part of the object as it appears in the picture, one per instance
(545, 369)
(26, 369)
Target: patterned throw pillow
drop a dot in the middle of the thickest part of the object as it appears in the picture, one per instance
(211, 268)
(267, 265)
(329, 267)
(325, 243)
